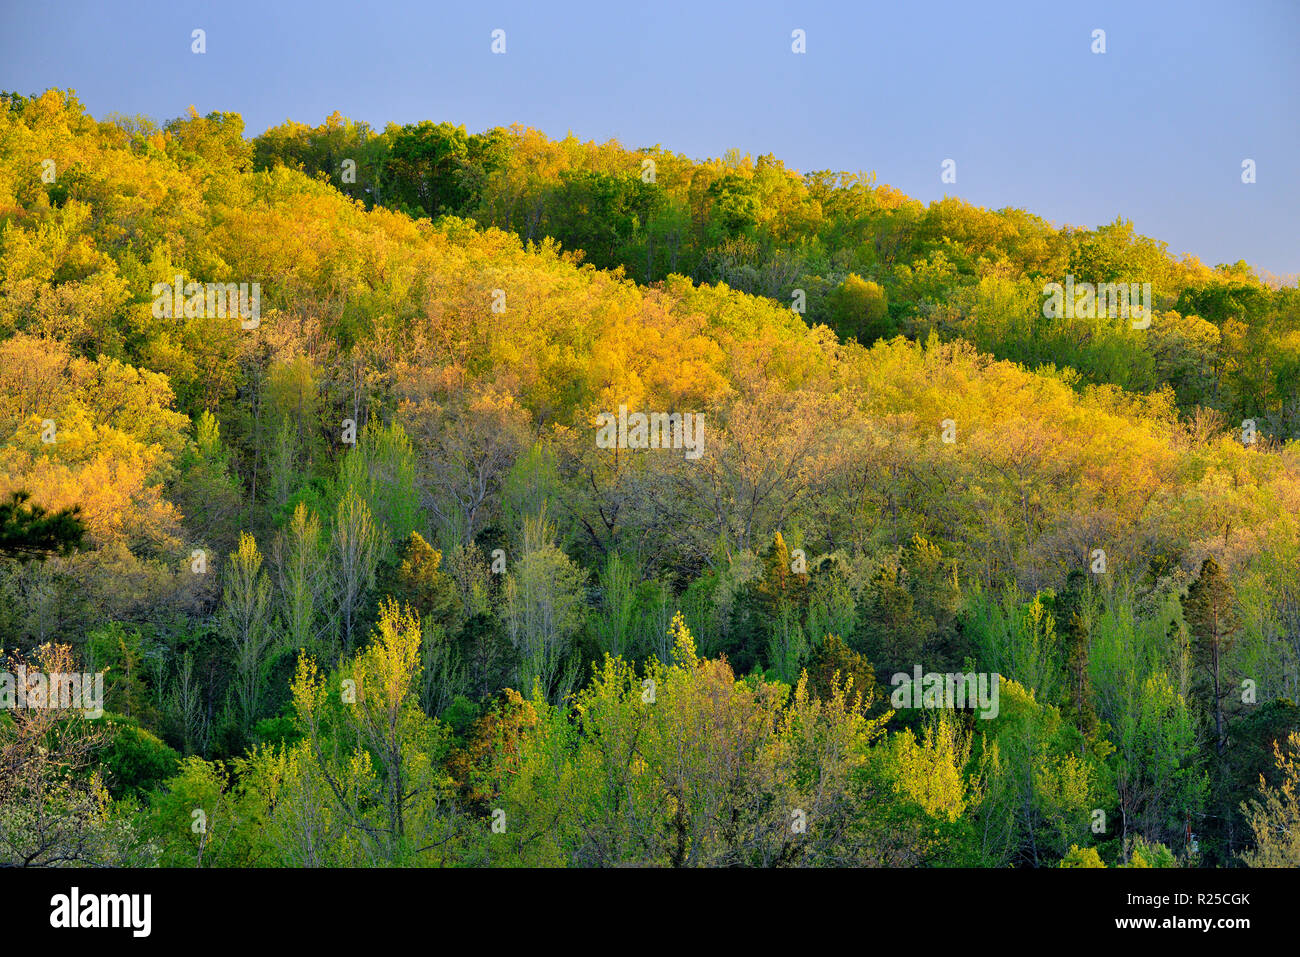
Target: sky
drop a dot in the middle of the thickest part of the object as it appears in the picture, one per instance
(1155, 129)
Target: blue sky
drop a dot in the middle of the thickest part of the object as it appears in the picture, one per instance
(1155, 129)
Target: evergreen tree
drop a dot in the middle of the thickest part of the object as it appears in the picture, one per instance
(1213, 624)
(1208, 610)
(29, 531)
(1072, 627)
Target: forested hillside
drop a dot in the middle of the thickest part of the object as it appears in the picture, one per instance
(871, 262)
(368, 587)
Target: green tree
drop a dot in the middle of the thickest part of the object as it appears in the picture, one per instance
(859, 309)
(1073, 627)
(247, 626)
(1274, 817)
(355, 547)
(301, 578)
(544, 610)
(1208, 608)
(833, 663)
(30, 531)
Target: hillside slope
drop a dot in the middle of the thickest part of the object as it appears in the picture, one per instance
(412, 413)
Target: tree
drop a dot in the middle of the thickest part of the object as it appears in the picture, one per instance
(184, 707)
(119, 654)
(423, 164)
(1210, 613)
(207, 491)
(1274, 817)
(1208, 608)
(302, 578)
(54, 807)
(29, 531)
(614, 624)
(421, 583)
(355, 550)
(201, 817)
(932, 771)
(768, 616)
(1038, 791)
(834, 664)
(467, 450)
(369, 752)
(246, 624)
(1159, 781)
(381, 472)
(858, 309)
(544, 611)
(602, 214)
(682, 766)
(1072, 627)
(1082, 857)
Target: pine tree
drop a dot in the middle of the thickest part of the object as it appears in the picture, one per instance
(1212, 622)
(1072, 626)
(29, 531)
(1208, 610)
(421, 583)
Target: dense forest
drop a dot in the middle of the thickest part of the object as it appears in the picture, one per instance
(367, 587)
